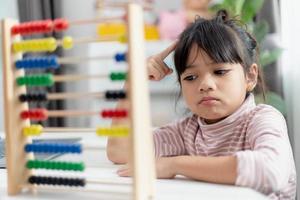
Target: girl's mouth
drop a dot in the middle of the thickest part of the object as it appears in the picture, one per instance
(207, 101)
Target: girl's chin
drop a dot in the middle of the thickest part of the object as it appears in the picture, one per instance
(209, 119)
(212, 121)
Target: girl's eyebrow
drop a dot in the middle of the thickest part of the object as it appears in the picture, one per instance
(195, 65)
(191, 66)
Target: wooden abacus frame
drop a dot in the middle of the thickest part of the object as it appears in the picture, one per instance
(142, 158)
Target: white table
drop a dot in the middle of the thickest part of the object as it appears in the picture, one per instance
(179, 188)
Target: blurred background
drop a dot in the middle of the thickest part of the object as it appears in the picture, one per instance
(275, 23)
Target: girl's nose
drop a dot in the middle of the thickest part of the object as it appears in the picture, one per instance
(207, 84)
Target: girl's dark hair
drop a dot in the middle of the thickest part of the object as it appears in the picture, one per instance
(224, 40)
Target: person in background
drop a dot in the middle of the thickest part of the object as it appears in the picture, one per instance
(227, 139)
(172, 23)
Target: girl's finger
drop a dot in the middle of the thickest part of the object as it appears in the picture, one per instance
(154, 74)
(167, 51)
(124, 172)
(164, 67)
(155, 70)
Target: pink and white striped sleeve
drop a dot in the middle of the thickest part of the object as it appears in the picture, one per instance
(168, 140)
(268, 165)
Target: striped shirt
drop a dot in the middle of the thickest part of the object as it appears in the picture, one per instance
(255, 134)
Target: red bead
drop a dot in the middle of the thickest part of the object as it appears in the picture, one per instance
(24, 114)
(41, 114)
(60, 24)
(26, 28)
(104, 114)
(47, 26)
(124, 113)
(118, 113)
(15, 30)
(110, 113)
(35, 114)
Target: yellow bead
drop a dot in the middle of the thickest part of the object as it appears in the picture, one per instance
(32, 130)
(36, 45)
(151, 32)
(67, 42)
(16, 47)
(109, 29)
(51, 44)
(113, 131)
(122, 39)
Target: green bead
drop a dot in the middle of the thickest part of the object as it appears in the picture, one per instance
(29, 164)
(49, 79)
(20, 81)
(60, 165)
(42, 164)
(69, 166)
(117, 76)
(53, 165)
(81, 166)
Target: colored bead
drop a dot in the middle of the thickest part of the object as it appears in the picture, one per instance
(55, 165)
(115, 94)
(60, 24)
(45, 62)
(109, 29)
(44, 26)
(34, 114)
(36, 80)
(120, 57)
(117, 76)
(38, 97)
(53, 148)
(32, 130)
(118, 113)
(35, 45)
(67, 42)
(23, 98)
(113, 131)
(151, 32)
(123, 39)
(44, 180)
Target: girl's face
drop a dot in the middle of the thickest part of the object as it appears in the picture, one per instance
(211, 90)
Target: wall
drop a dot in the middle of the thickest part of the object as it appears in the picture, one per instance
(8, 8)
(291, 72)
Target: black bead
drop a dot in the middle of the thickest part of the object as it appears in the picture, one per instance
(23, 97)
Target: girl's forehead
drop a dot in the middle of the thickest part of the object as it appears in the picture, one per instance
(198, 55)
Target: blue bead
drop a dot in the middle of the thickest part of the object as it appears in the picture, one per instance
(119, 57)
(78, 148)
(35, 148)
(45, 62)
(45, 148)
(54, 148)
(27, 148)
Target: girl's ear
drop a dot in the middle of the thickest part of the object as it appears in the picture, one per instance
(251, 77)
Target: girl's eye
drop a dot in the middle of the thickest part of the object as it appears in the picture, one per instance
(221, 72)
(190, 78)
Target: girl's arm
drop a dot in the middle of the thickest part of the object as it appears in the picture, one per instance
(118, 148)
(269, 166)
(221, 169)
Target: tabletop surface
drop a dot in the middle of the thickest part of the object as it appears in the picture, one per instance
(99, 168)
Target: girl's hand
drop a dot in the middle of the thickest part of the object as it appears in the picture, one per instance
(157, 69)
(163, 168)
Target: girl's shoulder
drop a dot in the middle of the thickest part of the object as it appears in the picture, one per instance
(263, 110)
(265, 116)
(181, 124)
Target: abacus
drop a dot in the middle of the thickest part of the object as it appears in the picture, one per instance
(19, 131)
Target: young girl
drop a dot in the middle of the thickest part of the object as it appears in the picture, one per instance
(227, 139)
